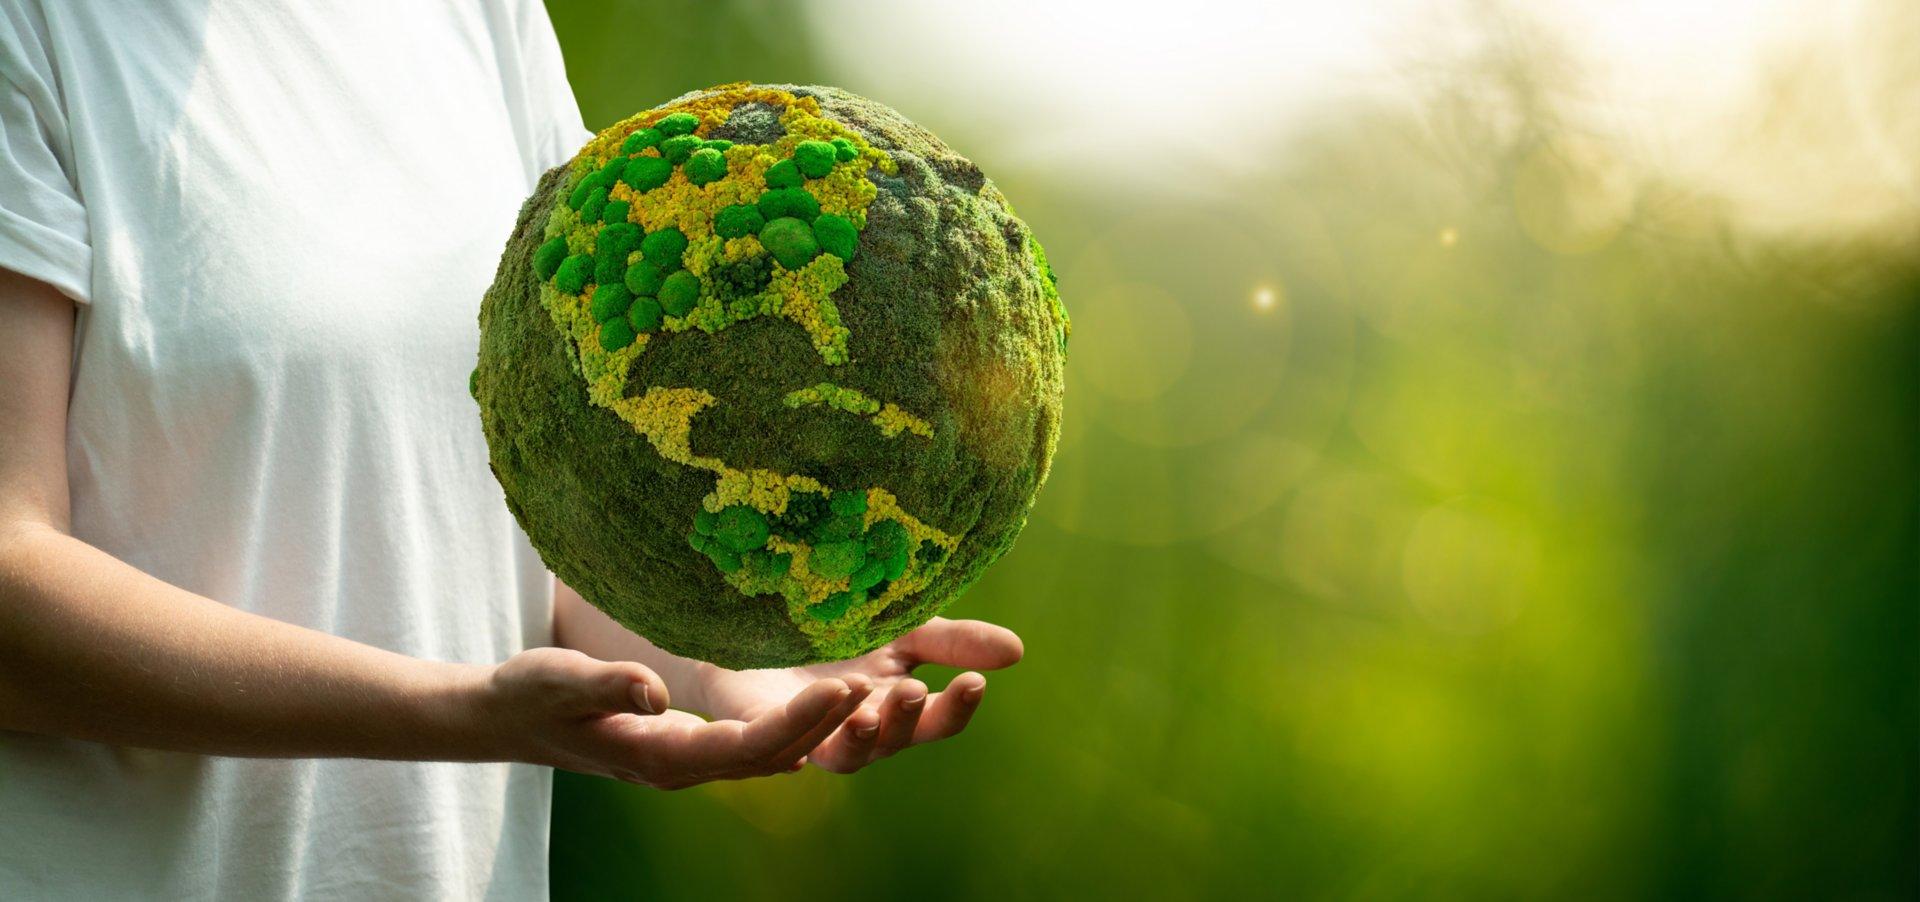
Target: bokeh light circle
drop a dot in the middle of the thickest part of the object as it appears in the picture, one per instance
(1132, 341)
(1467, 566)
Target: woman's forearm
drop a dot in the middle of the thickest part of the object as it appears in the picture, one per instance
(582, 627)
(92, 648)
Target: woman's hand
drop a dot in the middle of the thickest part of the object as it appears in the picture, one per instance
(903, 713)
(562, 708)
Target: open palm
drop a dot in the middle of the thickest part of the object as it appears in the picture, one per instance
(900, 711)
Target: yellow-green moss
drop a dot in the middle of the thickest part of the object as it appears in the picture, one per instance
(889, 417)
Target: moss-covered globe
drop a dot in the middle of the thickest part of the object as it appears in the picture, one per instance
(770, 374)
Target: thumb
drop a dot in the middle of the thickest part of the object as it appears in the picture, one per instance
(626, 687)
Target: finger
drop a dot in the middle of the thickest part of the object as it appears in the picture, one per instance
(779, 737)
(695, 751)
(621, 687)
(970, 644)
(733, 749)
(859, 687)
(900, 716)
(949, 710)
(851, 746)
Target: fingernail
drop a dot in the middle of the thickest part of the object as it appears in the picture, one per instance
(867, 732)
(973, 695)
(645, 693)
(912, 703)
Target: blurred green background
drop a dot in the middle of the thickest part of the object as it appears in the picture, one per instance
(1490, 466)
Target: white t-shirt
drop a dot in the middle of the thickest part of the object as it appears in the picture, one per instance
(278, 220)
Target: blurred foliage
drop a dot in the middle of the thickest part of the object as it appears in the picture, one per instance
(1453, 507)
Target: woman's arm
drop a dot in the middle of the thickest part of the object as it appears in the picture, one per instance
(92, 648)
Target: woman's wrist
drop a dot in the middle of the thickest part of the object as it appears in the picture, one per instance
(458, 708)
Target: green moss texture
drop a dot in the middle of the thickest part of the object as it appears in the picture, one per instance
(770, 374)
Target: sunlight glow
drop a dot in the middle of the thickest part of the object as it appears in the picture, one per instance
(1199, 98)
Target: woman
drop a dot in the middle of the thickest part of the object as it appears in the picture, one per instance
(258, 590)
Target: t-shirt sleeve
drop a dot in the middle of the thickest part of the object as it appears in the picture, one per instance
(43, 224)
(553, 129)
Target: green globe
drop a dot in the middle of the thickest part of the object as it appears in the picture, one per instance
(770, 374)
